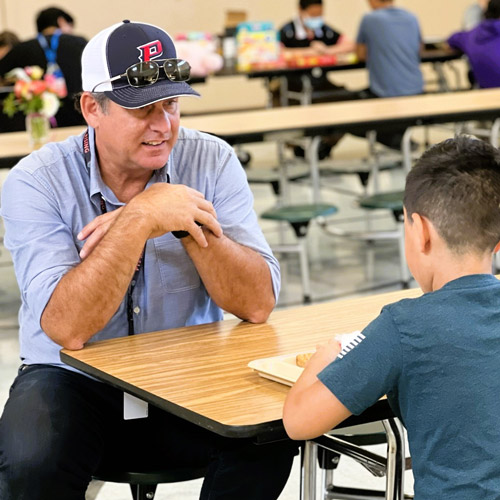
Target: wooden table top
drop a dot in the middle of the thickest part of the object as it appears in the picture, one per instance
(427, 108)
(200, 373)
(16, 144)
(254, 125)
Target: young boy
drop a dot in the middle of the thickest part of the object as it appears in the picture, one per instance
(437, 356)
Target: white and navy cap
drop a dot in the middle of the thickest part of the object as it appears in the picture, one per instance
(113, 50)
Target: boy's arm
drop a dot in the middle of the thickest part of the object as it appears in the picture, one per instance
(310, 408)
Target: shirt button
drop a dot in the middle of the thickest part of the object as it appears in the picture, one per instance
(137, 309)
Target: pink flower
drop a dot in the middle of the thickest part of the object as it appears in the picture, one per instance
(37, 87)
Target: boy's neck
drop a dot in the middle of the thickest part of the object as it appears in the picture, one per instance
(454, 266)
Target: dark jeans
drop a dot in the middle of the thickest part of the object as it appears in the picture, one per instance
(59, 426)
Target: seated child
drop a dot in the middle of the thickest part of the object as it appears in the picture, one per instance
(436, 357)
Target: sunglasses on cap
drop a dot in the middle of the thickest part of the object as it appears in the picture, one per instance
(146, 73)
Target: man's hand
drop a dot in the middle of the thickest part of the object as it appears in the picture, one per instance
(94, 231)
(168, 207)
(175, 207)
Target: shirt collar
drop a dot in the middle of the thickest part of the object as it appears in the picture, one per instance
(97, 186)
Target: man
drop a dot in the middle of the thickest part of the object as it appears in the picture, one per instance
(135, 225)
(389, 41)
(54, 44)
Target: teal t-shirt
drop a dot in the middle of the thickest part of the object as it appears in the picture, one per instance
(437, 357)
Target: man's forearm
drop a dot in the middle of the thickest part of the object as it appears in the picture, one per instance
(86, 297)
(237, 278)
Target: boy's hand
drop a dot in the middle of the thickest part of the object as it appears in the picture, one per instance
(324, 355)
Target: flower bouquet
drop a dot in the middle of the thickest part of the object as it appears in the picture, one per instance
(37, 96)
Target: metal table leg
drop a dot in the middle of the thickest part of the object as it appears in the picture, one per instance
(495, 129)
(308, 479)
(395, 459)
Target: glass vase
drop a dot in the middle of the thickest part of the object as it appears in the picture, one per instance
(38, 128)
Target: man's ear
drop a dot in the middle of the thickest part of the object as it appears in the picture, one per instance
(423, 230)
(91, 110)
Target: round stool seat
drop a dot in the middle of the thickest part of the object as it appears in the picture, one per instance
(299, 213)
(150, 477)
(390, 201)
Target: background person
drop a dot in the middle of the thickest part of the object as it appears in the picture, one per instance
(54, 26)
(103, 234)
(434, 356)
(389, 40)
(8, 39)
(474, 14)
(481, 45)
(308, 35)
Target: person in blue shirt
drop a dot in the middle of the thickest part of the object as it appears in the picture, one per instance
(137, 224)
(436, 356)
(389, 40)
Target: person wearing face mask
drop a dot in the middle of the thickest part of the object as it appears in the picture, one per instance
(309, 35)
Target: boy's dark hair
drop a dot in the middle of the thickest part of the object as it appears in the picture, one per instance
(492, 10)
(456, 185)
(47, 18)
(303, 4)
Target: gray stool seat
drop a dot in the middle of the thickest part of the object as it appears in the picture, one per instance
(143, 483)
(299, 217)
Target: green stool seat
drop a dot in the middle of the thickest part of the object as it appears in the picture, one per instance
(299, 217)
(389, 201)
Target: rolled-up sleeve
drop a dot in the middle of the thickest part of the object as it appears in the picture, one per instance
(41, 244)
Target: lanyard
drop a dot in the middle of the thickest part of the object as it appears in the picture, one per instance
(135, 277)
(50, 52)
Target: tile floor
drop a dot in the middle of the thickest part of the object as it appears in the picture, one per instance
(339, 268)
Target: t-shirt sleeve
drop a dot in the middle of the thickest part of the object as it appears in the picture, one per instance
(363, 31)
(361, 375)
(330, 36)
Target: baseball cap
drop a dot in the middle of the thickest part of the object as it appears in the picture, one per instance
(114, 49)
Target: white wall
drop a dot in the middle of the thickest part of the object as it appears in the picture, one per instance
(437, 17)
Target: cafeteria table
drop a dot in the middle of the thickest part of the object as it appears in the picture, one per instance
(201, 374)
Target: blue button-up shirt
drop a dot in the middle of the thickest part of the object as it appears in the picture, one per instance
(53, 193)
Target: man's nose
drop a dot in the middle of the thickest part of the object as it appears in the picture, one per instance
(160, 119)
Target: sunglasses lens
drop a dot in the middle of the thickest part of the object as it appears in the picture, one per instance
(143, 73)
(177, 70)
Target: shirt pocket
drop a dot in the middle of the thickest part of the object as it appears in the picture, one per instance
(177, 271)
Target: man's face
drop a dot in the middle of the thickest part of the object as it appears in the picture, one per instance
(137, 139)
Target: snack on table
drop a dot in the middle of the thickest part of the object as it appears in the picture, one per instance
(302, 359)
